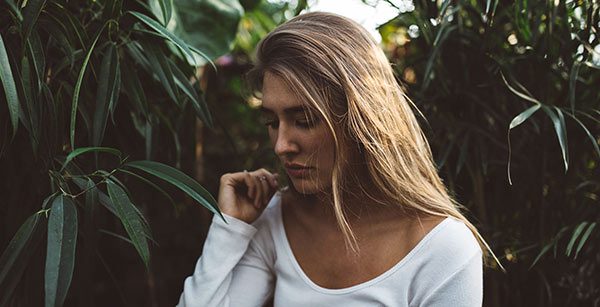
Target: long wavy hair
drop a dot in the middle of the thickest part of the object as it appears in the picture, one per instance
(334, 65)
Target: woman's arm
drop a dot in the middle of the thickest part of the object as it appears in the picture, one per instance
(463, 288)
(229, 273)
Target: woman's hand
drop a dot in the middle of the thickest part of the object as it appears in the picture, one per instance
(245, 195)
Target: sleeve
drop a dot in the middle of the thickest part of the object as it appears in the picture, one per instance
(229, 272)
(463, 288)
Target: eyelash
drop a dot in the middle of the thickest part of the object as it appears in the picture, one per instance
(305, 124)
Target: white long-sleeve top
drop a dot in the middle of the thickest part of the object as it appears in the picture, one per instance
(246, 264)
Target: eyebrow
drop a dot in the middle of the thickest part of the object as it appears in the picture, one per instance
(291, 110)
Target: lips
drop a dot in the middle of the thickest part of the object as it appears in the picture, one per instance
(297, 170)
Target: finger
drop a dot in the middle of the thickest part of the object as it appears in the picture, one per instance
(259, 192)
(266, 189)
(250, 184)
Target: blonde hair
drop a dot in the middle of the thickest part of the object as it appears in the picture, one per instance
(336, 67)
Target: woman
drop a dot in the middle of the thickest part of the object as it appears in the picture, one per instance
(366, 220)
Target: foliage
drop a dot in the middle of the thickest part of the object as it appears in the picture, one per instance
(513, 116)
(81, 79)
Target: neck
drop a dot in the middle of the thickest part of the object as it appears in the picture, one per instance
(358, 208)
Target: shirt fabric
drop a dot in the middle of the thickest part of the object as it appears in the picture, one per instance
(246, 264)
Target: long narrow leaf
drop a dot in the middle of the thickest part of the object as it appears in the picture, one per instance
(590, 136)
(10, 88)
(516, 121)
(573, 83)
(78, 84)
(31, 11)
(574, 237)
(180, 180)
(185, 86)
(83, 150)
(162, 69)
(16, 245)
(13, 7)
(520, 94)
(166, 10)
(152, 184)
(542, 252)
(105, 93)
(60, 253)
(130, 219)
(558, 120)
(164, 32)
(584, 238)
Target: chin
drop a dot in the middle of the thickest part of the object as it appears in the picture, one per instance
(308, 186)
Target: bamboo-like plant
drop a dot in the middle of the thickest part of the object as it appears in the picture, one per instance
(502, 84)
(85, 83)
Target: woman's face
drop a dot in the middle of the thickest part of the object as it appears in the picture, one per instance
(303, 143)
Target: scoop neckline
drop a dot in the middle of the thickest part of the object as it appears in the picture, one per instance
(292, 258)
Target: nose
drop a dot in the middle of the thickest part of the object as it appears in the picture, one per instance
(285, 143)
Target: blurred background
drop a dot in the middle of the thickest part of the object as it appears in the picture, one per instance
(508, 91)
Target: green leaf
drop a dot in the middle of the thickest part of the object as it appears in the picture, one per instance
(105, 93)
(520, 94)
(220, 16)
(134, 90)
(130, 219)
(561, 132)
(116, 235)
(160, 66)
(60, 253)
(163, 32)
(573, 83)
(584, 238)
(516, 121)
(519, 119)
(590, 136)
(83, 150)
(180, 180)
(10, 88)
(166, 9)
(574, 237)
(152, 184)
(13, 7)
(79, 81)
(185, 86)
(31, 11)
(36, 53)
(17, 244)
(542, 252)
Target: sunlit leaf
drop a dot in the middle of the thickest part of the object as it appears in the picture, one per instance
(520, 94)
(180, 180)
(558, 120)
(516, 121)
(60, 253)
